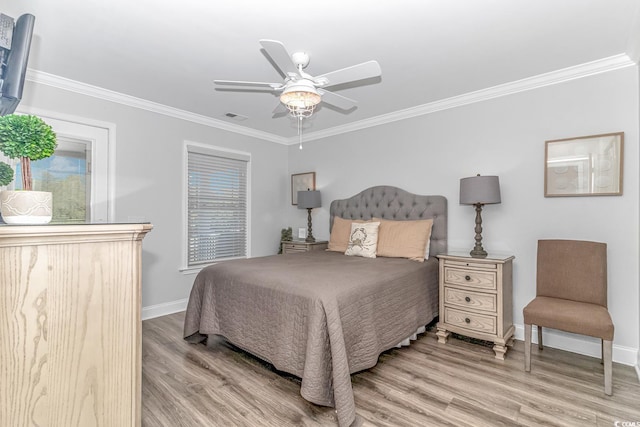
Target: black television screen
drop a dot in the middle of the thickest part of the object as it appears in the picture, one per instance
(15, 42)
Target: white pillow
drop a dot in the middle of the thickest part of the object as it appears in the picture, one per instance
(426, 253)
(363, 239)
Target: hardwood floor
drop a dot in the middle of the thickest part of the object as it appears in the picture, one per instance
(426, 384)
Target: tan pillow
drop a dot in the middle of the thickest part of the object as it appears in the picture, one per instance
(340, 232)
(363, 239)
(404, 239)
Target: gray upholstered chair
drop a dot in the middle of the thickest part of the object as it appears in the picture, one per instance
(571, 295)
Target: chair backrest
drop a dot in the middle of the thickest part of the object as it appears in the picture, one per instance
(572, 269)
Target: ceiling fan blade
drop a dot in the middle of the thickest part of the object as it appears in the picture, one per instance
(362, 71)
(280, 57)
(252, 84)
(336, 100)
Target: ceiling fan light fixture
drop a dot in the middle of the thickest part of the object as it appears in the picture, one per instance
(300, 98)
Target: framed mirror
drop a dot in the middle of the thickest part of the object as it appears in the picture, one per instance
(584, 166)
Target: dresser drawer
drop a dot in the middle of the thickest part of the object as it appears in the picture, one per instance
(470, 278)
(472, 321)
(471, 300)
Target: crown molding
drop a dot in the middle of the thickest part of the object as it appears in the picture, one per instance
(52, 80)
(604, 65)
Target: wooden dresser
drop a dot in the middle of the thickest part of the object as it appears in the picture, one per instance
(293, 246)
(70, 329)
(476, 299)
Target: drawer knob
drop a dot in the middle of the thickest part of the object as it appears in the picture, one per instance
(467, 320)
(467, 299)
(467, 277)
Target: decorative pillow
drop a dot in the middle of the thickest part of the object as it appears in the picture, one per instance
(404, 239)
(340, 232)
(363, 239)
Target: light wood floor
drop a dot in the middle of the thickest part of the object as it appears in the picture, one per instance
(426, 384)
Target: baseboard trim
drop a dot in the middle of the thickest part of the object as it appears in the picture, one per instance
(580, 344)
(163, 309)
(638, 371)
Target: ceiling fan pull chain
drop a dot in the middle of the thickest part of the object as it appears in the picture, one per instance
(300, 130)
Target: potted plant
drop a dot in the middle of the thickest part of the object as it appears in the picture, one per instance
(26, 138)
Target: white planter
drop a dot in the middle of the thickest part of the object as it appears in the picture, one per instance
(26, 207)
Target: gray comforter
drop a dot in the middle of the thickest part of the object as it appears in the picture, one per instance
(318, 315)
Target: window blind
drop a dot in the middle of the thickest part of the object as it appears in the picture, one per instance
(216, 205)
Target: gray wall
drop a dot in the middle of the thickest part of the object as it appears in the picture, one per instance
(149, 181)
(426, 155)
(505, 137)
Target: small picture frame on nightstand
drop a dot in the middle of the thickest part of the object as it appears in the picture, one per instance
(302, 233)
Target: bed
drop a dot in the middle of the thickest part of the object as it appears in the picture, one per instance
(323, 315)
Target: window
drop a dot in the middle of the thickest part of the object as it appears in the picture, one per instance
(79, 173)
(66, 174)
(216, 205)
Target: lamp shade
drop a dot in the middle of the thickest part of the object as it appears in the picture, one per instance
(479, 189)
(309, 199)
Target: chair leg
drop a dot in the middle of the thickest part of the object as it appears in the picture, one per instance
(527, 348)
(540, 338)
(607, 352)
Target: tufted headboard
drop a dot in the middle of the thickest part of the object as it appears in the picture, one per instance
(396, 204)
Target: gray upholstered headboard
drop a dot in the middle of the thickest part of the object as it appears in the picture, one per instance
(396, 204)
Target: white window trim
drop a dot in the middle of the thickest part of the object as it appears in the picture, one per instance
(185, 153)
(102, 157)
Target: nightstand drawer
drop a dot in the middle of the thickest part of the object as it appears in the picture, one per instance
(471, 300)
(470, 278)
(470, 264)
(292, 247)
(473, 321)
(295, 247)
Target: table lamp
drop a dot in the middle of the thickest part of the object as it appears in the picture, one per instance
(478, 191)
(308, 200)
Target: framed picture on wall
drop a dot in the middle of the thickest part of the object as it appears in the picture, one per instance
(301, 182)
(584, 166)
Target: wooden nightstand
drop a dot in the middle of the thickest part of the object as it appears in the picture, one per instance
(476, 299)
(293, 246)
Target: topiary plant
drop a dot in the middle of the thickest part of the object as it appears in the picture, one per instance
(6, 174)
(26, 138)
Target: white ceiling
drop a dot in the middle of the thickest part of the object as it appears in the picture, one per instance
(429, 50)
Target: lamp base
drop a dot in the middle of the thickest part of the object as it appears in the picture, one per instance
(310, 238)
(478, 253)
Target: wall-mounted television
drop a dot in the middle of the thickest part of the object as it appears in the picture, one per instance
(15, 42)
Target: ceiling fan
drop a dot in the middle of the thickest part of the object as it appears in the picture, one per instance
(301, 92)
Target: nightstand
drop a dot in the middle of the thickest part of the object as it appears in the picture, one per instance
(293, 246)
(476, 299)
